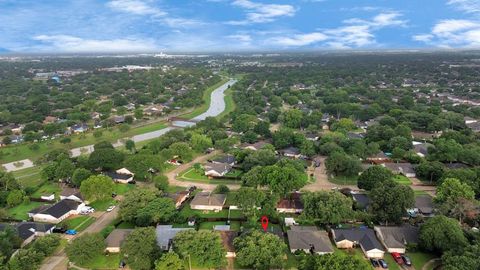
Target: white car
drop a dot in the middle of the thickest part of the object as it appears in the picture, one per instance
(87, 210)
(110, 208)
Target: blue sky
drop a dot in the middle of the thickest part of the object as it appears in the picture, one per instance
(236, 25)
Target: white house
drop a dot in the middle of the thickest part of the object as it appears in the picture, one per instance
(57, 212)
(217, 169)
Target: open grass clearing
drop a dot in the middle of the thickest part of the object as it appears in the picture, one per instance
(104, 262)
(20, 212)
(402, 180)
(102, 205)
(47, 188)
(419, 259)
(78, 223)
(344, 180)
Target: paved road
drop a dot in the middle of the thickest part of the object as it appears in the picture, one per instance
(59, 261)
(172, 175)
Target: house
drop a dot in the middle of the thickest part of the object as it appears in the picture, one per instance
(115, 239)
(16, 129)
(404, 168)
(311, 137)
(475, 126)
(421, 149)
(292, 204)
(423, 206)
(378, 158)
(326, 117)
(309, 239)
(216, 169)
(355, 135)
(363, 237)
(469, 120)
(57, 212)
(226, 159)
(118, 119)
(79, 128)
(291, 152)
(130, 107)
(50, 120)
(227, 241)
(180, 197)
(123, 176)
(28, 231)
(165, 235)
(255, 146)
(16, 138)
(208, 201)
(153, 110)
(396, 239)
(71, 194)
(362, 201)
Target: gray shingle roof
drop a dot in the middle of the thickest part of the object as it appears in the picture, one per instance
(206, 198)
(363, 236)
(399, 236)
(309, 237)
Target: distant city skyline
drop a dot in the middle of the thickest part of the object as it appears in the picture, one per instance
(118, 26)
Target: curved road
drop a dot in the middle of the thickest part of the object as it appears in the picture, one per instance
(217, 106)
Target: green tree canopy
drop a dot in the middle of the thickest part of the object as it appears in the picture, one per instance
(335, 261)
(327, 207)
(169, 261)
(452, 189)
(441, 233)
(258, 250)
(140, 248)
(97, 187)
(84, 249)
(160, 210)
(390, 201)
(79, 175)
(373, 176)
(339, 163)
(135, 200)
(203, 247)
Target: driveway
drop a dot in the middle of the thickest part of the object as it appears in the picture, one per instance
(172, 175)
(59, 260)
(321, 178)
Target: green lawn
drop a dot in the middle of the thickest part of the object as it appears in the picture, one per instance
(104, 261)
(78, 223)
(126, 225)
(207, 95)
(420, 192)
(121, 189)
(29, 177)
(234, 173)
(46, 189)
(102, 205)
(344, 180)
(21, 211)
(402, 180)
(419, 259)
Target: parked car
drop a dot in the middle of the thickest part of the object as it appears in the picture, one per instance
(406, 260)
(374, 262)
(59, 230)
(383, 263)
(71, 232)
(397, 257)
(110, 208)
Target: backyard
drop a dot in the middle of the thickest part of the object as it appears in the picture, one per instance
(198, 175)
(20, 212)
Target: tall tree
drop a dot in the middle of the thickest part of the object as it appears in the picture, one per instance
(85, 248)
(257, 250)
(373, 176)
(441, 233)
(390, 201)
(97, 187)
(203, 247)
(327, 207)
(335, 261)
(169, 261)
(140, 248)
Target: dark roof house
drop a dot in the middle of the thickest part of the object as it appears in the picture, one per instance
(309, 239)
(363, 237)
(396, 238)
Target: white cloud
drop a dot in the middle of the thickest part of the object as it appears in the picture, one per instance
(241, 37)
(468, 6)
(300, 39)
(66, 43)
(354, 34)
(136, 7)
(453, 33)
(262, 13)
